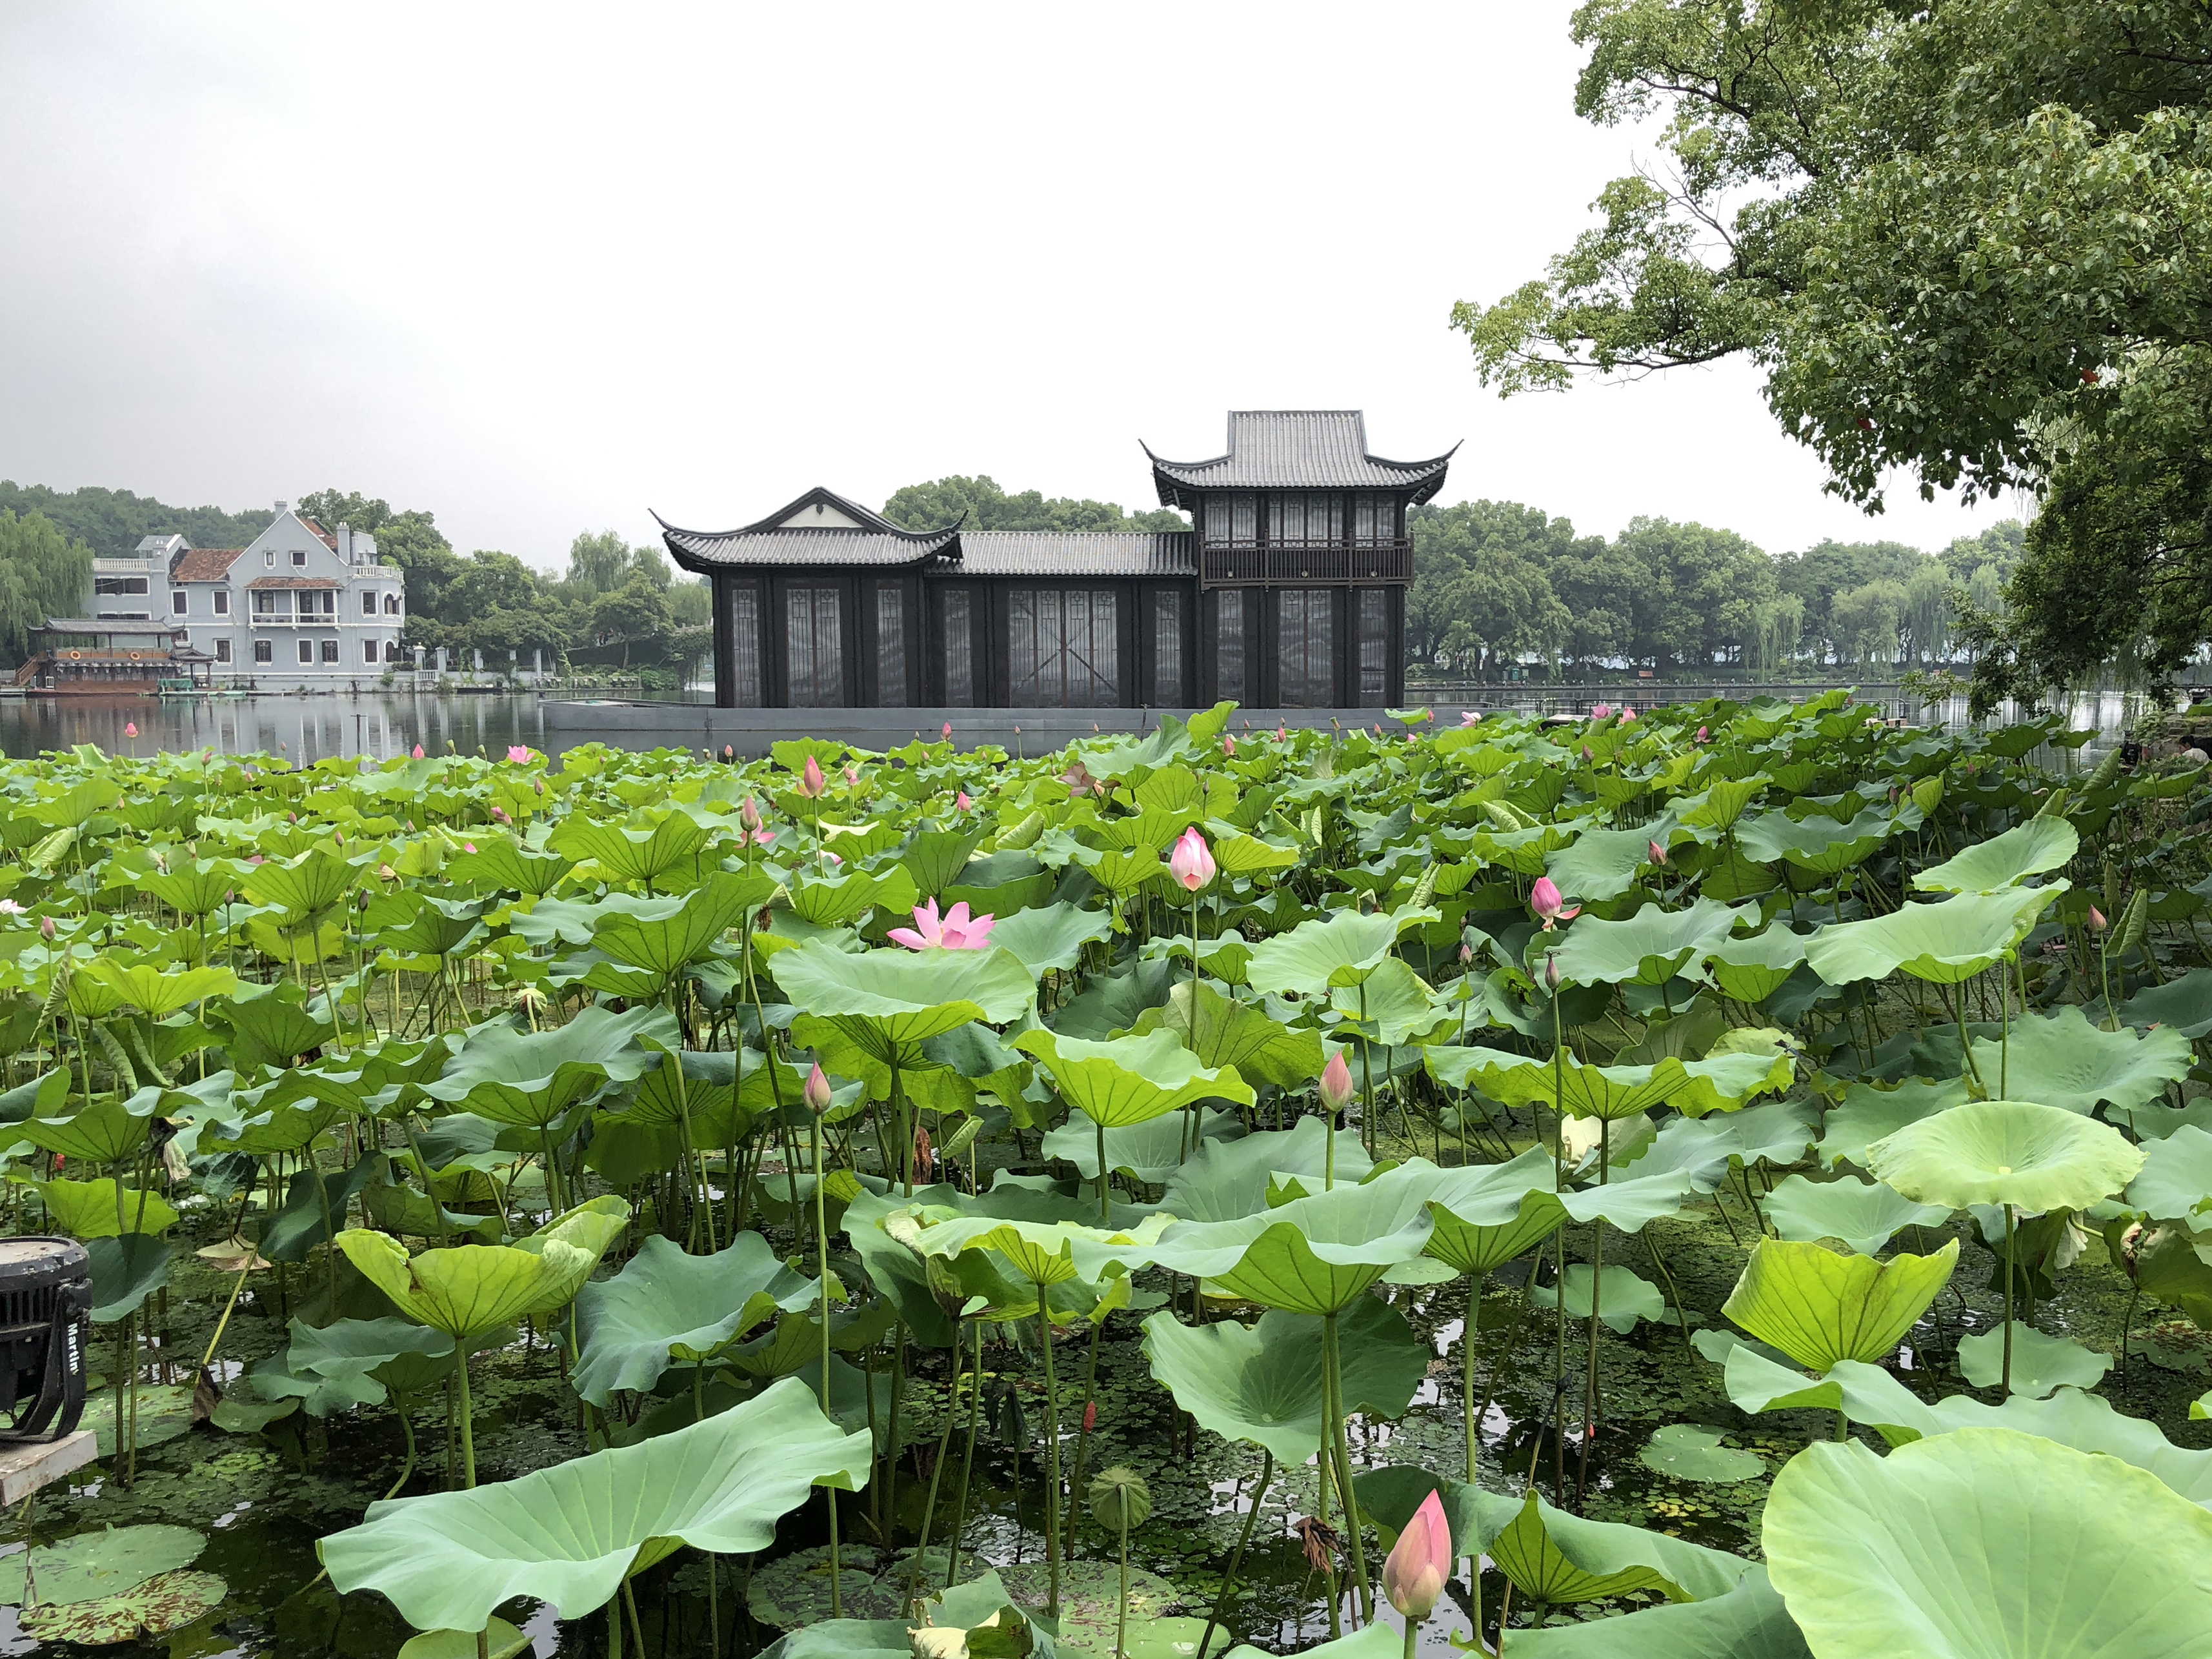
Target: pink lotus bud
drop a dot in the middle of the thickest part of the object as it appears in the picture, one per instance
(339, 837)
(1414, 1573)
(468, 847)
(1587, 755)
(1090, 1415)
(500, 814)
(385, 872)
(1599, 711)
(1704, 732)
(851, 777)
(1336, 1082)
(1658, 853)
(811, 783)
(418, 751)
(2097, 923)
(45, 927)
(1627, 716)
(1549, 904)
(131, 728)
(537, 784)
(750, 814)
(1228, 744)
(1551, 970)
(1282, 733)
(960, 801)
(1191, 862)
(817, 1091)
(1465, 955)
(948, 731)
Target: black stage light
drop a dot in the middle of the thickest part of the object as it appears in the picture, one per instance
(45, 1322)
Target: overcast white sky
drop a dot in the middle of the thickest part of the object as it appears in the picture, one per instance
(540, 269)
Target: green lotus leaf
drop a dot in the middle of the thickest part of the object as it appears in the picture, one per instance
(274, 1379)
(1864, 1215)
(1753, 970)
(1557, 1559)
(1152, 1150)
(1224, 1180)
(1316, 955)
(665, 1305)
(361, 1347)
(2062, 1059)
(1686, 1452)
(165, 1412)
(308, 886)
(1314, 1255)
(469, 1288)
(1649, 948)
(1046, 1253)
(1944, 943)
(1601, 864)
(531, 1078)
(92, 1564)
(314, 1199)
(87, 1208)
(106, 1131)
(1869, 1114)
(889, 1002)
(2040, 1363)
(642, 856)
(270, 1028)
(2176, 1180)
(835, 901)
(1128, 1080)
(1238, 1034)
(157, 994)
(2034, 849)
(1818, 1307)
(195, 887)
(1686, 1156)
(2006, 1151)
(499, 863)
(1987, 1541)
(1262, 1384)
(167, 1602)
(1625, 1297)
(503, 1640)
(570, 1534)
(2172, 1268)
(665, 936)
(2184, 1004)
(125, 1270)
(1392, 1005)
(1748, 1622)
(1817, 843)
(1051, 936)
(1471, 1247)
(1719, 1083)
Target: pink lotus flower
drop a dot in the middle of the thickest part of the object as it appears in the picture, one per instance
(1601, 711)
(1551, 970)
(851, 777)
(537, 784)
(418, 751)
(1282, 733)
(1627, 716)
(954, 932)
(1191, 862)
(1658, 853)
(749, 815)
(1414, 1572)
(811, 783)
(517, 755)
(1079, 779)
(2097, 923)
(831, 858)
(1549, 904)
(45, 927)
(10, 908)
(817, 1091)
(1704, 732)
(1587, 755)
(948, 731)
(1465, 955)
(385, 872)
(1228, 744)
(1470, 717)
(468, 847)
(764, 837)
(499, 812)
(1336, 1082)
(131, 728)
(960, 801)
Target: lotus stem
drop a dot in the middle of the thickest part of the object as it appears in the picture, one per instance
(822, 1271)
(1051, 1454)
(1100, 1123)
(1333, 1387)
(468, 1434)
(1083, 1433)
(1237, 1556)
(407, 1468)
(2007, 1379)
(936, 1472)
(967, 1462)
(1122, 1614)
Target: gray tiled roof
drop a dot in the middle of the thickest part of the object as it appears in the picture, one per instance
(698, 550)
(1297, 449)
(1076, 553)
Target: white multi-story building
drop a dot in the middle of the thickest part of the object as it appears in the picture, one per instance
(301, 606)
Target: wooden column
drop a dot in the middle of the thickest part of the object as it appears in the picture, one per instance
(726, 643)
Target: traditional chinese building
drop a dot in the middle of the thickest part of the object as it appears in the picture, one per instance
(1288, 592)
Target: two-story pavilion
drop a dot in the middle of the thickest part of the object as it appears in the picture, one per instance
(1288, 592)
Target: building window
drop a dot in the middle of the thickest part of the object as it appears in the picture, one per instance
(266, 604)
(299, 558)
(1167, 649)
(745, 642)
(1374, 637)
(959, 650)
(1374, 518)
(1063, 647)
(391, 650)
(324, 603)
(1305, 660)
(222, 650)
(391, 605)
(331, 652)
(179, 602)
(814, 647)
(269, 557)
(265, 650)
(120, 586)
(891, 645)
(368, 603)
(306, 652)
(1229, 644)
(368, 653)
(1296, 516)
(221, 597)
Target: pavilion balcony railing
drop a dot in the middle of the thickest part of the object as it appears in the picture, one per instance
(1314, 564)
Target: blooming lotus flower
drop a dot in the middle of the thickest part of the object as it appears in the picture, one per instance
(1336, 1082)
(764, 837)
(811, 783)
(1191, 862)
(10, 908)
(750, 814)
(955, 931)
(851, 777)
(1627, 716)
(1549, 904)
(418, 751)
(1658, 853)
(1414, 1572)
(1079, 779)
(499, 812)
(518, 755)
(817, 1092)
(1470, 717)
(131, 728)
(1601, 711)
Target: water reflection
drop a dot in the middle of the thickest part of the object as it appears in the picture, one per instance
(379, 724)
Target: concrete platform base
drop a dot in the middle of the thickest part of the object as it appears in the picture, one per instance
(26, 1468)
(750, 731)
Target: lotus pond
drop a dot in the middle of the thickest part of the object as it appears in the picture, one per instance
(1725, 1181)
